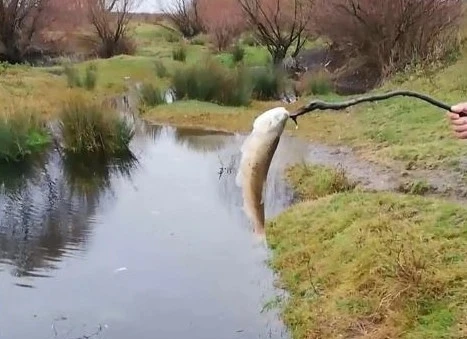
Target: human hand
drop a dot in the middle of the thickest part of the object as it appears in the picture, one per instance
(458, 122)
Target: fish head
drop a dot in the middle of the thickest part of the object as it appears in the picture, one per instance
(272, 121)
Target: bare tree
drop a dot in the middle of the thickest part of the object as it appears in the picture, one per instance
(20, 22)
(390, 35)
(110, 20)
(279, 24)
(184, 15)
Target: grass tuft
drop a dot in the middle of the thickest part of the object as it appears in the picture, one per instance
(268, 83)
(151, 96)
(316, 181)
(74, 79)
(180, 53)
(212, 82)
(238, 53)
(21, 134)
(88, 127)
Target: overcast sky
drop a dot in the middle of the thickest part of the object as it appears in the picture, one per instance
(152, 5)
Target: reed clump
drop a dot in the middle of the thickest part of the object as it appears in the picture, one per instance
(90, 127)
(22, 133)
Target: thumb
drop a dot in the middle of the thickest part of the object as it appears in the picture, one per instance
(459, 108)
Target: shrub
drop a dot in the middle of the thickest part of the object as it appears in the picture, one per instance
(21, 134)
(198, 40)
(179, 53)
(213, 82)
(268, 82)
(238, 53)
(172, 37)
(74, 79)
(88, 127)
(72, 76)
(151, 96)
(317, 83)
(90, 77)
(315, 181)
(391, 34)
(250, 40)
(161, 70)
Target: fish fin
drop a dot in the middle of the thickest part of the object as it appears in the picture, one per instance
(263, 193)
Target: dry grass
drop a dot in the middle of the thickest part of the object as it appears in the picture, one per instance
(367, 265)
(316, 181)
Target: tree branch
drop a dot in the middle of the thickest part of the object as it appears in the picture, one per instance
(322, 105)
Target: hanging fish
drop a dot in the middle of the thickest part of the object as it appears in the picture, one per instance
(258, 149)
(257, 152)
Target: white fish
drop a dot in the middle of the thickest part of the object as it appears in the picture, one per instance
(257, 152)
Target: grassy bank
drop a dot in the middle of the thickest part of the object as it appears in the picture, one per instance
(372, 265)
(403, 130)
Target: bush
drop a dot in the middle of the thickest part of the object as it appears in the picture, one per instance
(90, 77)
(88, 127)
(109, 48)
(213, 82)
(21, 134)
(391, 34)
(172, 37)
(179, 53)
(315, 181)
(74, 79)
(238, 53)
(317, 83)
(268, 82)
(72, 76)
(161, 70)
(250, 40)
(151, 96)
(198, 40)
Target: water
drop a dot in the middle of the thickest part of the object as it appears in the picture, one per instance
(156, 247)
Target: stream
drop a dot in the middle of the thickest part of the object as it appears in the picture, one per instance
(155, 246)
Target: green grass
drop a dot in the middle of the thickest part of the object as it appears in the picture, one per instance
(212, 82)
(316, 181)
(151, 96)
(372, 265)
(22, 133)
(89, 128)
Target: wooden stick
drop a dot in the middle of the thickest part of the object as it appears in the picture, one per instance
(322, 105)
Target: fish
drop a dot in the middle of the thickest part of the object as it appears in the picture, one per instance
(257, 152)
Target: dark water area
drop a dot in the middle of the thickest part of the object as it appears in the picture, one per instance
(155, 246)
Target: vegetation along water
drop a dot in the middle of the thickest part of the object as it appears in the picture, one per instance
(121, 130)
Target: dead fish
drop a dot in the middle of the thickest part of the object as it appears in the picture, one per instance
(257, 153)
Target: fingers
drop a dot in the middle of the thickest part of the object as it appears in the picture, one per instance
(458, 123)
(460, 108)
(461, 135)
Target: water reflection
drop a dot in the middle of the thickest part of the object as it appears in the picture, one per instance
(201, 140)
(47, 206)
(167, 218)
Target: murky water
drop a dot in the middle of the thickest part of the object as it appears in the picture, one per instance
(152, 247)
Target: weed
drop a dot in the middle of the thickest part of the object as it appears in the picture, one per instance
(179, 53)
(238, 53)
(318, 83)
(212, 82)
(315, 181)
(72, 76)
(161, 70)
(90, 77)
(21, 134)
(88, 127)
(151, 96)
(267, 82)
(74, 79)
